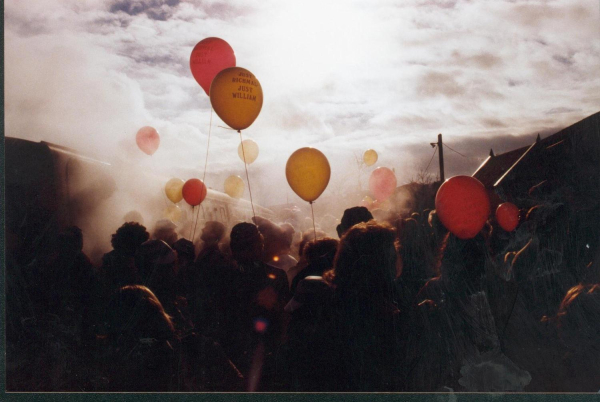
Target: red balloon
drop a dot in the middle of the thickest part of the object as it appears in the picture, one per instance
(382, 183)
(147, 139)
(209, 57)
(507, 215)
(463, 206)
(194, 192)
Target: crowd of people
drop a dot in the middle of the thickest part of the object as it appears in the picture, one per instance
(385, 306)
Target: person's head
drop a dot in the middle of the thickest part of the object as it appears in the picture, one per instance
(288, 233)
(579, 318)
(213, 232)
(366, 258)
(276, 240)
(416, 252)
(185, 251)
(463, 262)
(246, 243)
(165, 230)
(351, 217)
(129, 237)
(321, 251)
(136, 312)
(70, 240)
(308, 235)
(155, 261)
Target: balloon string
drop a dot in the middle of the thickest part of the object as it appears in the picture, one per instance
(313, 216)
(197, 213)
(193, 206)
(207, 146)
(247, 177)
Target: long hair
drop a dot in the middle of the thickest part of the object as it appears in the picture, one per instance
(365, 262)
(135, 312)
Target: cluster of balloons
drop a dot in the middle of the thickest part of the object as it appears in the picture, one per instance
(192, 191)
(463, 206)
(235, 93)
(308, 172)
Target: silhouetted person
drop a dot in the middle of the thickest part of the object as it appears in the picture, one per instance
(351, 217)
(366, 320)
(261, 294)
(454, 339)
(143, 353)
(307, 236)
(156, 263)
(418, 260)
(209, 282)
(277, 243)
(578, 329)
(118, 266)
(165, 230)
(308, 356)
(319, 256)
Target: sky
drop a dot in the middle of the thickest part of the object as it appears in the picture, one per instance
(340, 76)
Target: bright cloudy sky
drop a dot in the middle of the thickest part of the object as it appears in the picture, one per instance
(341, 76)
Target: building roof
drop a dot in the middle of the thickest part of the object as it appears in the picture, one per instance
(495, 166)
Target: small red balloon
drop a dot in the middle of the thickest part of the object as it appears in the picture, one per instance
(208, 58)
(194, 192)
(463, 206)
(507, 215)
(382, 183)
(147, 139)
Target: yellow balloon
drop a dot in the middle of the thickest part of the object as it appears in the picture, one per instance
(236, 96)
(250, 150)
(234, 186)
(307, 171)
(173, 190)
(370, 157)
(172, 212)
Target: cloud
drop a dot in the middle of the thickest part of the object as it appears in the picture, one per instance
(155, 9)
(342, 76)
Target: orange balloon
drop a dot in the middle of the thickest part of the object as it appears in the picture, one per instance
(147, 139)
(382, 183)
(236, 96)
(463, 206)
(209, 57)
(194, 192)
(307, 172)
(507, 215)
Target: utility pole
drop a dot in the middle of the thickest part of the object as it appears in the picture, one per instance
(441, 153)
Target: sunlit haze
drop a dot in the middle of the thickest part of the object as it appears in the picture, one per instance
(340, 76)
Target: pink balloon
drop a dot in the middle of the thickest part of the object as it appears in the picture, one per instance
(147, 139)
(382, 183)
